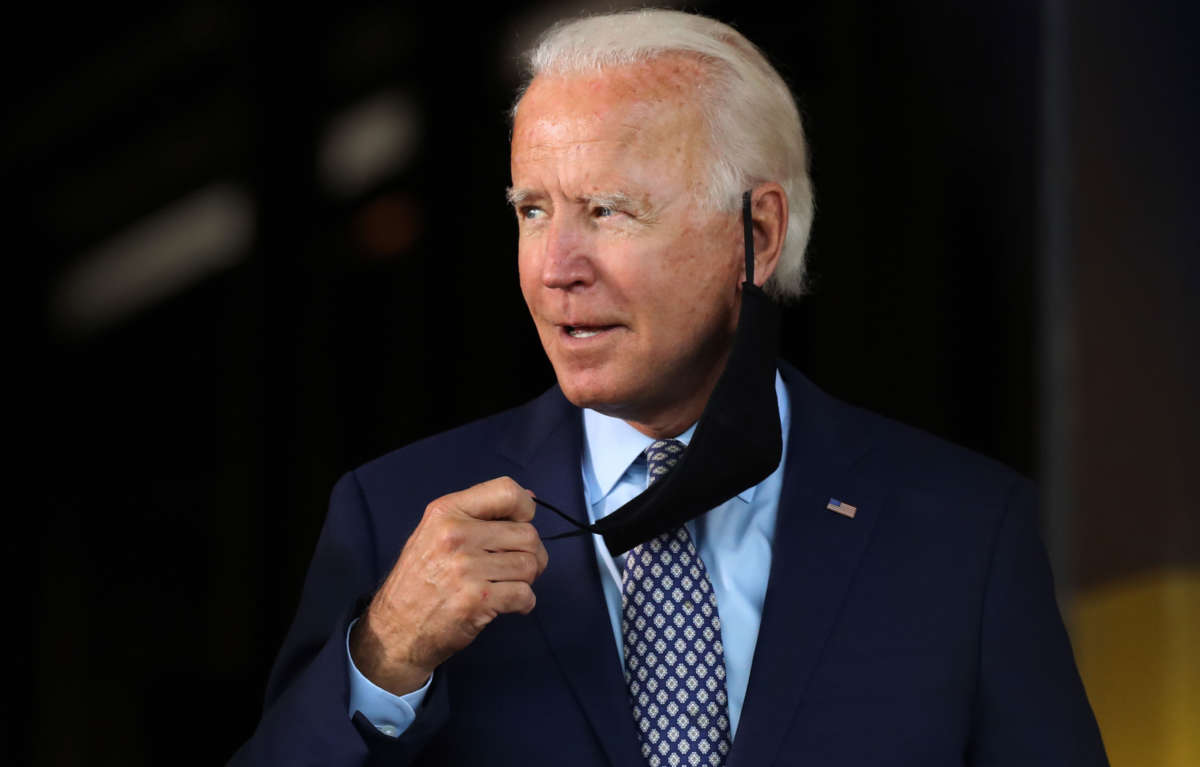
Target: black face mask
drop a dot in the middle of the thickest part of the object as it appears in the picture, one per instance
(737, 442)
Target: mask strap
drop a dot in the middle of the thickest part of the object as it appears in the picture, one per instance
(748, 229)
(624, 540)
(581, 528)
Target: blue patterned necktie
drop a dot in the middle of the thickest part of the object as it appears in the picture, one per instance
(674, 659)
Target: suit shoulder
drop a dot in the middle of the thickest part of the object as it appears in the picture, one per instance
(904, 456)
(925, 461)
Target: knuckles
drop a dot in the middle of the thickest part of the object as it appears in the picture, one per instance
(529, 535)
(464, 605)
(528, 568)
(530, 601)
(447, 529)
(515, 496)
(451, 539)
(512, 491)
(435, 508)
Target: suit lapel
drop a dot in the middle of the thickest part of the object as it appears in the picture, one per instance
(571, 610)
(816, 554)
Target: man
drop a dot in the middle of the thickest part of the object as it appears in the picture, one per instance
(879, 598)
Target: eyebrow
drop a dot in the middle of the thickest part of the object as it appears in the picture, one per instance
(619, 200)
(517, 196)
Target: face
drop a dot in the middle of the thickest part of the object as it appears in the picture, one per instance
(633, 284)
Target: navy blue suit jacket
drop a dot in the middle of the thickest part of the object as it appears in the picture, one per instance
(923, 631)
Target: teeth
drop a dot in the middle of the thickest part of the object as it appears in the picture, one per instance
(580, 333)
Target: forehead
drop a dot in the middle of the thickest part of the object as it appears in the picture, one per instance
(668, 79)
(649, 106)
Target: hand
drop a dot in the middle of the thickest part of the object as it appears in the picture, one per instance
(473, 556)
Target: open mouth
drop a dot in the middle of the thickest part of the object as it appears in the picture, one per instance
(585, 331)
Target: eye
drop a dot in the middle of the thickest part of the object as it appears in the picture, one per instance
(603, 211)
(529, 212)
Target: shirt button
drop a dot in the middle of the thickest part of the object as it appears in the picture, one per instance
(389, 730)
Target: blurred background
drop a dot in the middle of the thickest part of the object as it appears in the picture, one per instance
(263, 247)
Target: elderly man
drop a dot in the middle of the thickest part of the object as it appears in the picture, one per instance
(878, 597)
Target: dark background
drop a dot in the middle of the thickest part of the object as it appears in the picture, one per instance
(1004, 253)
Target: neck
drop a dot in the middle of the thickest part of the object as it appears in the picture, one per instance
(675, 418)
(668, 428)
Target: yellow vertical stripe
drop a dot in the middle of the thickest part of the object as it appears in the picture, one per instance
(1137, 642)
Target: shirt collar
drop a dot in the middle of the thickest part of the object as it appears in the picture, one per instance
(611, 445)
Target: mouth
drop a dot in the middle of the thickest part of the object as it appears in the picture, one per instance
(586, 331)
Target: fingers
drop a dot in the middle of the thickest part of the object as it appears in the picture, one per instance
(493, 516)
(502, 535)
(512, 566)
(510, 597)
(499, 498)
(514, 537)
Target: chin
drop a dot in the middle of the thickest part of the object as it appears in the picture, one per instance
(582, 395)
(590, 391)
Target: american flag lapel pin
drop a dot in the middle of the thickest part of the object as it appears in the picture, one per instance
(845, 509)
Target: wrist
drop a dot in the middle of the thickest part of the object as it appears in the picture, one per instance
(383, 668)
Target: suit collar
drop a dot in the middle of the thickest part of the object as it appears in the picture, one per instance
(529, 426)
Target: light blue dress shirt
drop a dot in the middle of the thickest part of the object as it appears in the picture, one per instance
(734, 539)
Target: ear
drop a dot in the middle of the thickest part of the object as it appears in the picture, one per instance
(769, 214)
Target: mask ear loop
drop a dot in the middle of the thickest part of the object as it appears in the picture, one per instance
(748, 235)
(581, 528)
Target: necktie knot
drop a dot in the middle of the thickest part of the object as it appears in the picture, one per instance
(661, 457)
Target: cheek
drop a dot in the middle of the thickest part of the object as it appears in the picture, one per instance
(690, 303)
(527, 274)
(714, 277)
(711, 277)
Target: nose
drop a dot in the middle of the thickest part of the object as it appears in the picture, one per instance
(567, 262)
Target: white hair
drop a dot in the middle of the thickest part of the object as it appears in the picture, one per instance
(755, 127)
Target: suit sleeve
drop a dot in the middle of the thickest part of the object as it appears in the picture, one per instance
(304, 718)
(1030, 708)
